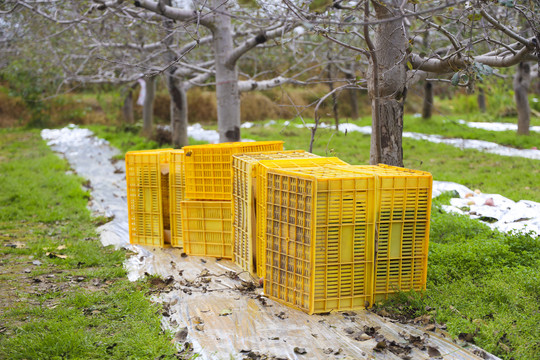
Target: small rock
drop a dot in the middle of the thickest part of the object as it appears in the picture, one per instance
(199, 327)
(349, 330)
(384, 313)
(27, 271)
(300, 351)
(79, 278)
(328, 351)
(430, 327)
(37, 263)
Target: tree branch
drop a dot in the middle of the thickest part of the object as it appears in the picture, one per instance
(260, 38)
(174, 13)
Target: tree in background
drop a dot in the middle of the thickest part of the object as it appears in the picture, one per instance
(466, 41)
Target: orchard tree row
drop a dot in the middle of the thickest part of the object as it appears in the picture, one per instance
(382, 46)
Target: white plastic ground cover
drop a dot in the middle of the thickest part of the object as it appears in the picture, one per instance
(495, 126)
(480, 145)
(206, 302)
(494, 210)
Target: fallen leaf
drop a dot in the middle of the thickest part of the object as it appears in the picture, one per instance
(61, 247)
(433, 351)
(225, 312)
(16, 245)
(53, 255)
(181, 335)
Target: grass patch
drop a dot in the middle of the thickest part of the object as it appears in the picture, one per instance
(450, 127)
(127, 138)
(63, 294)
(482, 284)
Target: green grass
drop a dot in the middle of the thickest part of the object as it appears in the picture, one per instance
(480, 282)
(126, 138)
(515, 178)
(81, 306)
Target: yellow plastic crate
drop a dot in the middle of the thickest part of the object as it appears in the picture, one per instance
(320, 228)
(177, 189)
(148, 196)
(244, 193)
(206, 227)
(403, 212)
(262, 188)
(208, 168)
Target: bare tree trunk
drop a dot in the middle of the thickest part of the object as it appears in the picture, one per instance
(481, 99)
(353, 93)
(386, 86)
(228, 96)
(427, 109)
(127, 107)
(179, 113)
(178, 117)
(148, 107)
(330, 70)
(522, 81)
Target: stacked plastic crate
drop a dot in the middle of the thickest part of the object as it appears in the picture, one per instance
(324, 235)
(245, 197)
(206, 204)
(262, 185)
(344, 237)
(402, 213)
(147, 177)
(319, 238)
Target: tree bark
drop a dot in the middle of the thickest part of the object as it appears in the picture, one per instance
(353, 93)
(179, 113)
(522, 81)
(334, 95)
(178, 105)
(228, 96)
(427, 109)
(148, 107)
(127, 107)
(386, 86)
(481, 100)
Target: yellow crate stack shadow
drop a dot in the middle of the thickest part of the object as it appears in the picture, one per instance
(324, 235)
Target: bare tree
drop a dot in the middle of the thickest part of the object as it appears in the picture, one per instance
(468, 40)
